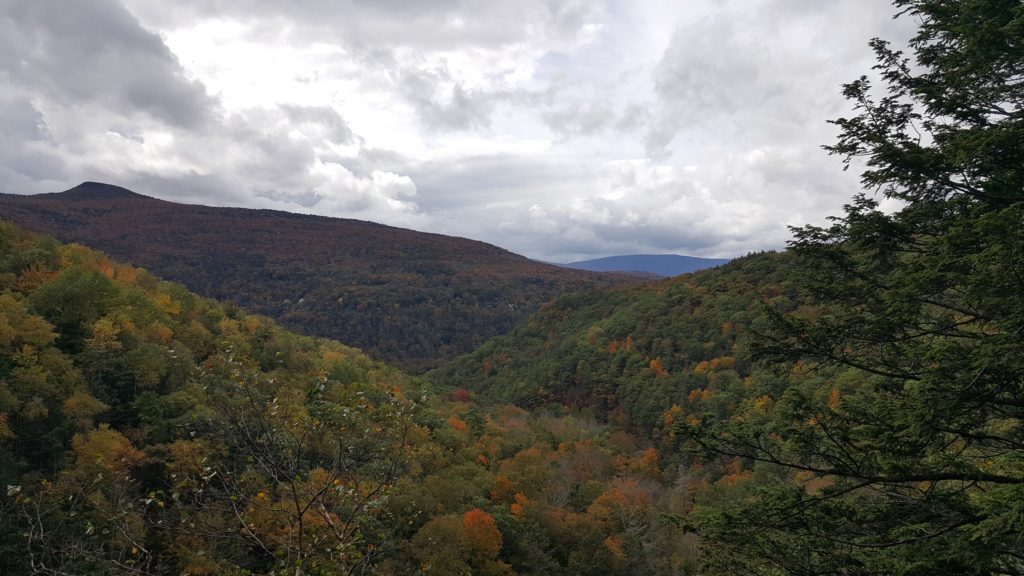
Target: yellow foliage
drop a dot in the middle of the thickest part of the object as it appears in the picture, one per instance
(105, 334)
(164, 301)
(17, 325)
(252, 324)
(104, 449)
(160, 333)
(5, 430)
(34, 276)
(763, 403)
(227, 326)
(81, 407)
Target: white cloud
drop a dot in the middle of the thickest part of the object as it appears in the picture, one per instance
(557, 129)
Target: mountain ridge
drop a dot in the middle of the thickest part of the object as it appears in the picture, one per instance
(661, 265)
(412, 298)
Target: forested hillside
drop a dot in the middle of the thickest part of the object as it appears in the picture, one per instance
(145, 430)
(632, 354)
(408, 297)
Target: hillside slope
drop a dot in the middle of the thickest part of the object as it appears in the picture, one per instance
(407, 297)
(633, 352)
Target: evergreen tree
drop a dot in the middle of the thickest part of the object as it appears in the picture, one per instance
(898, 447)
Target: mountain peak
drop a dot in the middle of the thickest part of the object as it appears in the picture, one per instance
(95, 190)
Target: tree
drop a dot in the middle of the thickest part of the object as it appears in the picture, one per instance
(303, 473)
(908, 405)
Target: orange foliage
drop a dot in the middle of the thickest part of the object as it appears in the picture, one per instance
(518, 508)
(646, 463)
(105, 268)
(503, 490)
(614, 546)
(670, 415)
(702, 394)
(658, 368)
(715, 364)
(125, 275)
(457, 424)
(624, 504)
(833, 399)
(481, 532)
(736, 474)
(624, 345)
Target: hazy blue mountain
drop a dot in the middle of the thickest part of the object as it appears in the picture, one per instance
(658, 264)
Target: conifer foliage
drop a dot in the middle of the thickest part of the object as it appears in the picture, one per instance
(909, 414)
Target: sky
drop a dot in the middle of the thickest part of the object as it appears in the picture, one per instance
(558, 129)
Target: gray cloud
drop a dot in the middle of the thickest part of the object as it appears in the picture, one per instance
(95, 51)
(454, 109)
(764, 72)
(27, 160)
(323, 119)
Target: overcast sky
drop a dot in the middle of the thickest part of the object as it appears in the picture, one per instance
(561, 130)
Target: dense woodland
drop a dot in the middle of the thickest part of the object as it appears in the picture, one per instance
(145, 430)
(410, 298)
(852, 406)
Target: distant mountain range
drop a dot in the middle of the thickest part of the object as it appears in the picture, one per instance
(662, 265)
(412, 298)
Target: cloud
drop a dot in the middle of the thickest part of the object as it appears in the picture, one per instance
(323, 120)
(94, 51)
(436, 25)
(27, 160)
(764, 71)
(561, 130)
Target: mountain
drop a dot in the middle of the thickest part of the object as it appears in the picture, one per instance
(663, 265)
(407, 297)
